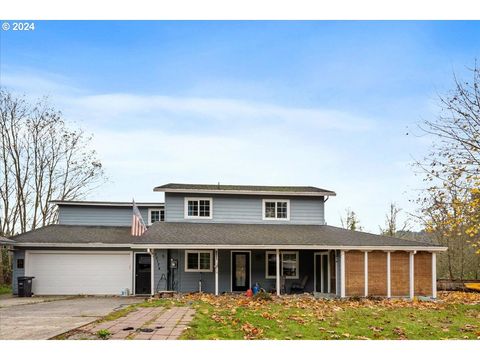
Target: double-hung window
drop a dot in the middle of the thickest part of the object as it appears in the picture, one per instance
(276, 209)
(288, 264)
(198, 208)
(198, 261)
(155, 215)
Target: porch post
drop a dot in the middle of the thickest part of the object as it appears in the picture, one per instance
(342, 273)
(434, 275)
(389, 283)
(278, 271)
(366, 273)
(216, 271)
(412, 279)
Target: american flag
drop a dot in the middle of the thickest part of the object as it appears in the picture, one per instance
(138, 225)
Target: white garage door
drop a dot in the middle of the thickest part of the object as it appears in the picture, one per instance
(72, 273)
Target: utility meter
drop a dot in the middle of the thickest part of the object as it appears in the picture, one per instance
(173, 263)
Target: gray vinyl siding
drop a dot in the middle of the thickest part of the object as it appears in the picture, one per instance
(17, 254)
(189, 281)
(160, 270)
(98, 215)
(246, 209)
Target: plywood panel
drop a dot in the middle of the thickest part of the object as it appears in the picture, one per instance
(354, 273)
(400, 273)
(423, 273)
(377, 273)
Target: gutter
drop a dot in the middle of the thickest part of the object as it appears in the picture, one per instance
(235, 247)
(246, 192)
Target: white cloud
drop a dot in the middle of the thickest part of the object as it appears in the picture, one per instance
(147, 140)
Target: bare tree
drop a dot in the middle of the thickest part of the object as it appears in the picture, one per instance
(392, 227)
(42, 158)
(350, 221)
(456, 131)
(450, 204)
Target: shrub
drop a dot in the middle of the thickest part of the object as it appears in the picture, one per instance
(103, 334)
(262, 295)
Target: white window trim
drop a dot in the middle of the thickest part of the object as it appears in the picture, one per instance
(210, 269)
(185, 210)
(150, 213)
(297, 263)
(275, 201)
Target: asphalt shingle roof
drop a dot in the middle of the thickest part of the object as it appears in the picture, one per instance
(173, 233)
(77, 234)
(243, 188)
(265, 234)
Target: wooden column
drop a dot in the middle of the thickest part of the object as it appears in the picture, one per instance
(365, 263)
(277, 263)
(389, 278)
(434, 275)
(412, 274)
(342, 273)
(216, 271)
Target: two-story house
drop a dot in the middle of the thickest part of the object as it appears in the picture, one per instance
(216, 239)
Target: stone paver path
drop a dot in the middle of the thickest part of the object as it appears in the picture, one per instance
(164, 324)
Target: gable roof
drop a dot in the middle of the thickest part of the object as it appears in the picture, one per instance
(245, 189)
(211, 235)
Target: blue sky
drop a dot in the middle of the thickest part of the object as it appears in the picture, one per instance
(324, 103)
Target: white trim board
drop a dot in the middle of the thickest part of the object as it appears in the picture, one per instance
(236, 247)
(247, 192)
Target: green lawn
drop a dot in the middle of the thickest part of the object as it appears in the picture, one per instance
(229, 317)
(5, 289)
(455, 316)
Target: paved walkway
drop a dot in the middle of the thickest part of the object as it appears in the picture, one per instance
(53, 316)
(154, 323)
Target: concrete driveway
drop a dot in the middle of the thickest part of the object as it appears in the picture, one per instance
(44, 318)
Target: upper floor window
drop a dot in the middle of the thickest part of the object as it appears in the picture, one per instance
(155, 215)
(198, 208)
(276, 209)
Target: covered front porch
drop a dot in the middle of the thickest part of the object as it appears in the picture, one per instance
(278, 271)
(322, 272)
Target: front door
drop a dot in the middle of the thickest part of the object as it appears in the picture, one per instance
(240, 270)
(322, 273)
(143, 274)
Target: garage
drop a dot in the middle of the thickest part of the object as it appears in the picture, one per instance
(79, 272)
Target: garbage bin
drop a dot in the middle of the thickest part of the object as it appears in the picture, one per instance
(25, 286)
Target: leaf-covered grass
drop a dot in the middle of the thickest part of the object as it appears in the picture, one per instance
(5, 289)
(306, 318)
